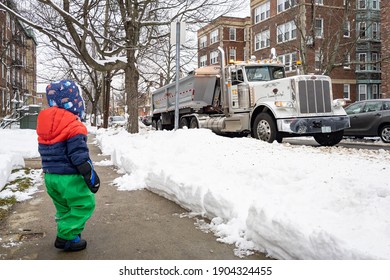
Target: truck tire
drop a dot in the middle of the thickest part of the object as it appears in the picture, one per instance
(384, 133)
(264, 128)
(154, 124)
(183, 123)
(159, 125)
(194, 123)
(329, 139)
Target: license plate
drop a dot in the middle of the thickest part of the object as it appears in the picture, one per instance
(326, 129)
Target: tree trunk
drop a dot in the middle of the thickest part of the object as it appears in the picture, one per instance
(131, 87)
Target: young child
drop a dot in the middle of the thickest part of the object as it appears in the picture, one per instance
(70, 178)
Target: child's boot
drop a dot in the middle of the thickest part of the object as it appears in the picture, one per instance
(73, 245)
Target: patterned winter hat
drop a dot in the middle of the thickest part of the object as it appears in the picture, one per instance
(65, 94)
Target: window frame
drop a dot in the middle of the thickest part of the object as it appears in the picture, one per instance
(203, 60)
(203, 42)
(213, 57)
(262, 12)
(362, 4)
(347, 29)
(261, 37)
(362, 29)
(288, 28)
(348, 91)
(232, 34)
(320, 29)
(347, 65)
(232, 54)
(362, 62)
(214, 36)
(362, 86)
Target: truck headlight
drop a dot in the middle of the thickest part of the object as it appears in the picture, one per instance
(284, 104)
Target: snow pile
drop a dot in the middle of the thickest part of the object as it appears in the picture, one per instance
(293, 202)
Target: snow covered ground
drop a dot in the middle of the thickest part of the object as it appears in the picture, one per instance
(289, 201)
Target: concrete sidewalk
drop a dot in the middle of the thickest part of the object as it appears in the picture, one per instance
(126, 225)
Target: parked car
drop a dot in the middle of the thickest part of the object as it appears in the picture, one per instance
(146, 120)
(116, 121)
(369, 118)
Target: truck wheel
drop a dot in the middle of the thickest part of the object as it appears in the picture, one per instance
(385, 133)
(154, 124)
(329, 139)
(159, 125)
(194, 123)
(264, 128)
(183, 122)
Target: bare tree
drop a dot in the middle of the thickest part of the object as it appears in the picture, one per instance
(82, 28)
(332, 46)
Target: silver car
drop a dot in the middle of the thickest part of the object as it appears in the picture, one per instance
(369, 118)
(116, 121)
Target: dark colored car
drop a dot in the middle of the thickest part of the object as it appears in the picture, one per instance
(147, 120)
(369, 118)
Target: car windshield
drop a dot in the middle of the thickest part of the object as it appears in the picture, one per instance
(264, 73)
(118, 118)
(354, 108)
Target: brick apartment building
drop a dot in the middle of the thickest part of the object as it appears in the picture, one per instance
(18, 63)
(385, 31)
(230, 33)
(325, 36)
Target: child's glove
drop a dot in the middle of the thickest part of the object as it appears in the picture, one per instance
(90, 176)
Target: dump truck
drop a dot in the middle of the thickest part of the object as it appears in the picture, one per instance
(253, 98)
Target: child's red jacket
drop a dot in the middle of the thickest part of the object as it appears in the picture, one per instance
(62, 140)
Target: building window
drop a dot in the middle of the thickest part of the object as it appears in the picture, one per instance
(362, 61)
(375, 4)
(318, 60)
(347, 29)
(319, 27)
(285, 5)
(286, 32)
(375, 31)
(375, 62)
(203, 42)
(214, 36)
(347, 91)
(362, 92)
(232, 34)
(262, 12)
(203, 60)
(214, 57)
(375, 91)
(362, 29)
(362, 4)
(262, 40)
(289, 60)
(232, 54)
(347, 61)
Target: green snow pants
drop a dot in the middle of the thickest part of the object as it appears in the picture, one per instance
(74, 203)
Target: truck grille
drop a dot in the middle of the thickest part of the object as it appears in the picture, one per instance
(314, 96)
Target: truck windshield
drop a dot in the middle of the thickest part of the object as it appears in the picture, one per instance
(264, 73)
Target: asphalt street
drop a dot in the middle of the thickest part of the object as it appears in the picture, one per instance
(126, 225)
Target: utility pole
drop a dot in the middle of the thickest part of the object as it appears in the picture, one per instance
(177, 37)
